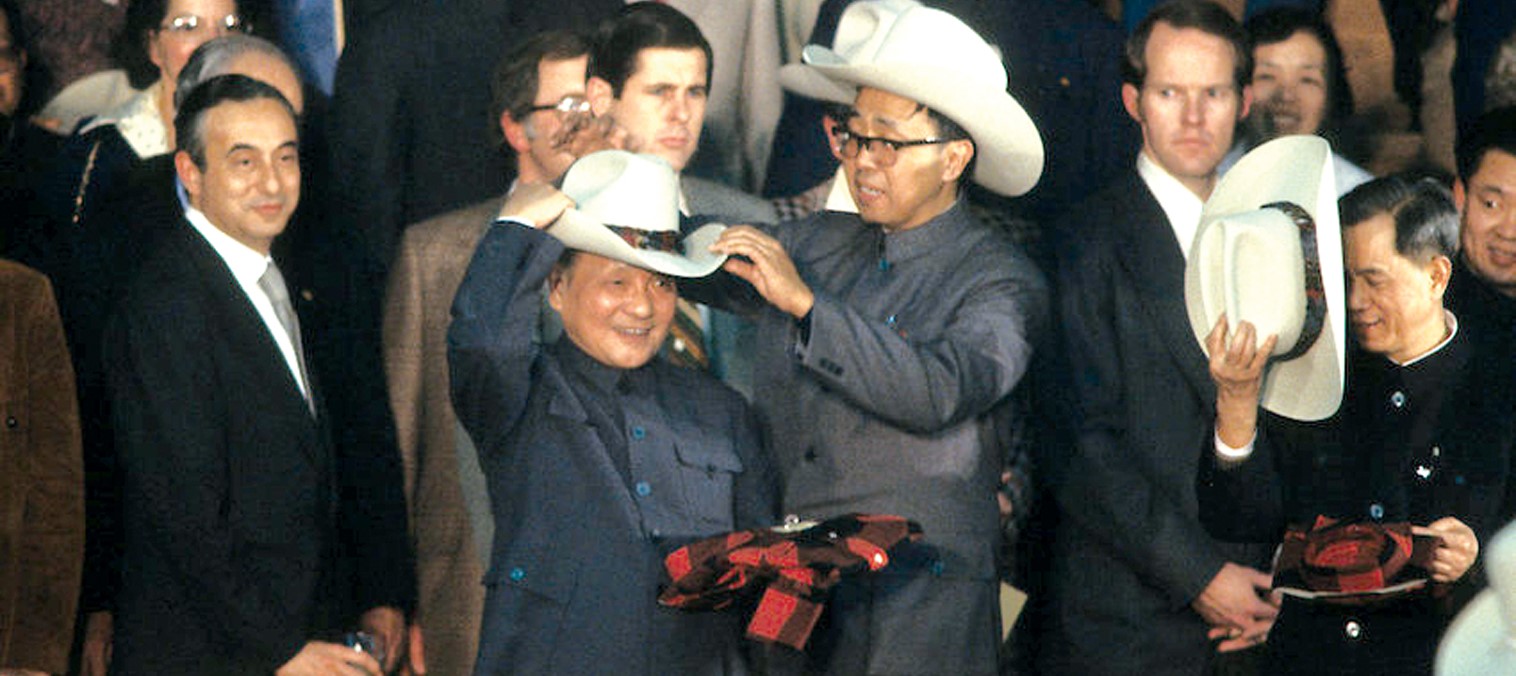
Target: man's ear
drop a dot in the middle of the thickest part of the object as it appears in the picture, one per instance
(514, 133)
(956, 155)
(1129, 94)
(189, 175)
(1440, 270)
(556, 279)
(1460, 195)
(1247, 102)
(600, 94)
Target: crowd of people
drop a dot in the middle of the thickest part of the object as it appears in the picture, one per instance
(457, 353)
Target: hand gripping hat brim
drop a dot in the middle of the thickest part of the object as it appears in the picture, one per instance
(1269, 251)
(627, 209)
(933, 58)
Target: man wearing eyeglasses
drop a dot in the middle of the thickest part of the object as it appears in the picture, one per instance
(887, 338)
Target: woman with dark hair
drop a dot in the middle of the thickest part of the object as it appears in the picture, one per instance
(1300, 86)
(158, 38)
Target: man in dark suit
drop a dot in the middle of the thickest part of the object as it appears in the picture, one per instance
(235, 560)
(1483, 289)
(1135, 583)
(338, 306)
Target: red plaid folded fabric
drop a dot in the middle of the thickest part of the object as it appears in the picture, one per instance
(1343, 558)
(796, 569)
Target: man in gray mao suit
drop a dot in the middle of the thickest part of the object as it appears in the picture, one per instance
(887, 337)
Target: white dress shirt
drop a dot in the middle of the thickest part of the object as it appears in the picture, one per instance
(247, 266)
(1179, 204)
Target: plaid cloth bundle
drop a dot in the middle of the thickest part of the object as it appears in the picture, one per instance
(796, 567)
(1352, 561)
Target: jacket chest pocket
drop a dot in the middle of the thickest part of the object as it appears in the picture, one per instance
(707, 466)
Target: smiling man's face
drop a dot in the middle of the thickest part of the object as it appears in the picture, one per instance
(1488, 207)
(250, 183)
(616, 313)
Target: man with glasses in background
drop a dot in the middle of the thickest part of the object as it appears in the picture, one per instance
(887, 338)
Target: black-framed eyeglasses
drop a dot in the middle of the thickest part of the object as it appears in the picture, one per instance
(884, 150)
(566, 105)
(189, 23)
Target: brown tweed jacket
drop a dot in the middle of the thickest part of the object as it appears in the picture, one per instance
(41, 478)
(426, 273)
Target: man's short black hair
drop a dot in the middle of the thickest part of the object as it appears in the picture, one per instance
(514, 87)
(1277, 25)
(643, 25)
(1494, 130)
(189, 124)
(1202, 15)
(1426, 220)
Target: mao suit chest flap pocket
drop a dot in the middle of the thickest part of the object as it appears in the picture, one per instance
(707, 467)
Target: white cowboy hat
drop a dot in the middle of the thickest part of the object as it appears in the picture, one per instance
(933, 58)
(627, 209)
(1482, 639)
(1257, 258)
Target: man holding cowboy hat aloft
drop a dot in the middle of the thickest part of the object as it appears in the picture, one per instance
(600, 458)
(1402, 483)
(886, 337)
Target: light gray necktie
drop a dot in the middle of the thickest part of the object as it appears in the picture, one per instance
(273, 286)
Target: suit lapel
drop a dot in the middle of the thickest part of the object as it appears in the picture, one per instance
(1156, 269)
(241, 320)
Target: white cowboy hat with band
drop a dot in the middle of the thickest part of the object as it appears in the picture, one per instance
(1269, 252)
(933, 58)
(627, 209)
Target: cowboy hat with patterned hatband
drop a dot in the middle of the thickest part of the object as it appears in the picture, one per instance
(627, 209)
(931, 57)
(1269, 251)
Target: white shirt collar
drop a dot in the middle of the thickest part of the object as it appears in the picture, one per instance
(1180, 205)
(1452, 323)
(246, 264)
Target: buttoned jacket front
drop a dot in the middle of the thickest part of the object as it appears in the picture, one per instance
(579, 538)
(882, 404)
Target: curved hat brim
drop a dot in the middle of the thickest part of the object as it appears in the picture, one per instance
(1475, 643)
(1296, 169)
(1007, 142)
(580, 231)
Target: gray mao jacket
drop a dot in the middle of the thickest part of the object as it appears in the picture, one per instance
(880, 402)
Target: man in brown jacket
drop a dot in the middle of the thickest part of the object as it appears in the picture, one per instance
(41, 479)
